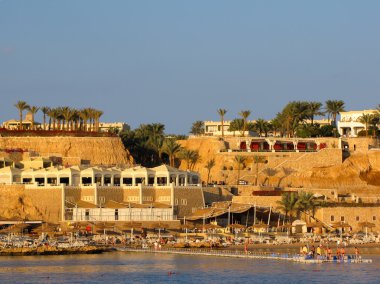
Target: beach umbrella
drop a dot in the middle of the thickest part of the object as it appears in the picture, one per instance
(259, 226)
(314, 225)
(367, 225)
(236, 226)
(211, 226)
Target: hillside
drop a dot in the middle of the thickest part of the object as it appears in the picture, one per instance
(323, 169)
(72, 150)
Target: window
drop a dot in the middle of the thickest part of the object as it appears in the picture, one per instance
(133, 198)
(357, 218)
(373, 218)
(332, 218)
(342, 218)
(176, 201)
(183, 201)
(147, 198)
(88, 198)
(102, 199)
(164, 198)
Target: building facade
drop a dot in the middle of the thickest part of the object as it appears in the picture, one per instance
(349, 124)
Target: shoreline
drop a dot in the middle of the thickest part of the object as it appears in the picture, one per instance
(53, 251)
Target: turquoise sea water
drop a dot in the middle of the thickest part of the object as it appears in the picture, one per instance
(121, 267)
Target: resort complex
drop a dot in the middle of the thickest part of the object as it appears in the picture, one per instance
(243, 185)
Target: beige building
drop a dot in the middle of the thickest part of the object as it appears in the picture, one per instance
(113, 126)
(214, 128)
(349, 124)
(105, 194)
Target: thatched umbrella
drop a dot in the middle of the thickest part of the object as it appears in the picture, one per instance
(236, 226)
(367, 225)
(211, 226)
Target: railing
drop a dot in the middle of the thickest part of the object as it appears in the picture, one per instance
(248, 254)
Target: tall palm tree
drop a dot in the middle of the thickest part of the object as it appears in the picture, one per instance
(194, 159)
(66, 114)
(240, 160)
(84, 116)
(53, 114)
(45, 110)
(257, 160)
(244, 115)
(171, 148)
(305, 202)
(21, 106)
(222, 113)
(97, 114)
(236, 125)
(333, 108)
(33, 110)
(288, 204)
(209, 165)
(314, 108)
(366, 119)
(261, 126)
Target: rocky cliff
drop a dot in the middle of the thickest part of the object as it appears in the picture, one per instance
(324, 169)
(72, 150)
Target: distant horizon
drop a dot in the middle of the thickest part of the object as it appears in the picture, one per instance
(175, 62)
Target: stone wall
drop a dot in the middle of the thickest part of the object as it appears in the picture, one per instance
(215, 194)
(31, 203)
(264, 201)
(91, 150)
(186, 200)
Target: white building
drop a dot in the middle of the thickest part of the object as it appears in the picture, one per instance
(349, 125)
(113, 126)
(214, 128)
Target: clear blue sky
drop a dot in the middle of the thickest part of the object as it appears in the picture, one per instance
(175, 62)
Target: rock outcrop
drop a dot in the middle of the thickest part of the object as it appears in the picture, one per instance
(72, 150)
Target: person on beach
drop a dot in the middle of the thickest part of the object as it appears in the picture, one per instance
(304, 250)
(337, 253)
(356, 253)
(342, 252)
(329, 253)
(319, 252)
(312, 251)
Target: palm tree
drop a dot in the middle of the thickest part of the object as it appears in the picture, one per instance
(209, 165)
(236, 125)
(197, 128)
(261, 126)
(194, 159)
(288, 204)
(97, 114)
(305, 202)
(314, 108)
(334, 107)
(222, 112)
(239, 159)
(66, 114)
(45, 110)
(21, 106)
(33, 110)
(171, 148)
(54, 115)
(244, 115)
(366, 119)
(257, 160)
(84, 116)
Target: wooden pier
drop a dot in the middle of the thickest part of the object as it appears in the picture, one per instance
(242, 254)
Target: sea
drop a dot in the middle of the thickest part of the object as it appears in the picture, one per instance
(126, 267)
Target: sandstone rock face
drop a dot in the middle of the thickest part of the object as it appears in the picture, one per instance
(324, 169)
(73, 150)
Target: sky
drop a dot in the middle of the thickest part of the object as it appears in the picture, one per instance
(175, 62)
